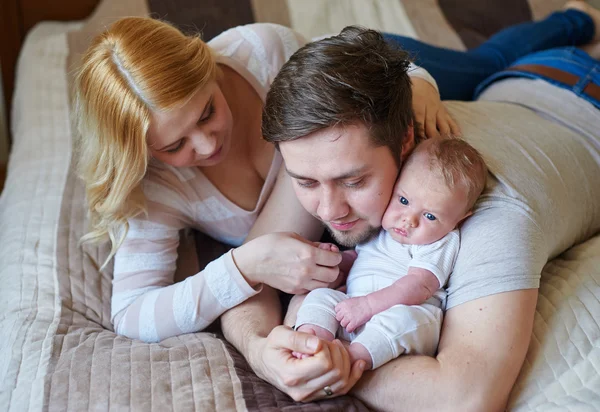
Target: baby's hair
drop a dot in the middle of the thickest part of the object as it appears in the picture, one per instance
(458, 163)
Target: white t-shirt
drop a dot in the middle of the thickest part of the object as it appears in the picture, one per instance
(542, 147)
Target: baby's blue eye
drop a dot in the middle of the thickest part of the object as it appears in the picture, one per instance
(403, 200)
(430, 216)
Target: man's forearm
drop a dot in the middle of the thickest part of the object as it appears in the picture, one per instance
(483, 345)
(253, 320)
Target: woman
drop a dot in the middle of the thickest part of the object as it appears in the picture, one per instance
(171, 139)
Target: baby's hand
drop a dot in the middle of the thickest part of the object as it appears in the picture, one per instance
(305, 329)
(327, 246)
(353, 313)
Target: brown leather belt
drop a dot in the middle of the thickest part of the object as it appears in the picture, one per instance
(561, 76)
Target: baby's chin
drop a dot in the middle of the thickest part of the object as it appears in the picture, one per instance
(408, 240)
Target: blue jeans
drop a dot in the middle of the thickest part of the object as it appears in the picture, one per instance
(458, 73)
(567, 59)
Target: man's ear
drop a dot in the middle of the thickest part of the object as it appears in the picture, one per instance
(409, 142)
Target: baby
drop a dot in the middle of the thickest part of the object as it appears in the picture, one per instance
(395, 294)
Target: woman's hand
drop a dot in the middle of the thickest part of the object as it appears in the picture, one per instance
(430, 112)
(348, 258)
(304, 379)
(287, 262)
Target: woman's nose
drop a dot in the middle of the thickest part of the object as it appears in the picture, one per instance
(203, 143)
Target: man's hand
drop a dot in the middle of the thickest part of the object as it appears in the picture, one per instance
(304, 379)
(353, 313)
(431, 112)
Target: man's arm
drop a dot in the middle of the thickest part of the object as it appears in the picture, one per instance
(253, 327)
(248, 324)
(483, 345)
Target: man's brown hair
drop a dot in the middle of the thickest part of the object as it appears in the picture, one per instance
(353, 78)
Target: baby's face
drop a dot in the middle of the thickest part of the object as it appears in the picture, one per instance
(423, 209)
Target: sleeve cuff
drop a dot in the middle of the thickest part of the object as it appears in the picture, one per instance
(432, 268)
(416, 71)
(227, 283)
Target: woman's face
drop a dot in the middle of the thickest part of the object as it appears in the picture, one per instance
(197, 134)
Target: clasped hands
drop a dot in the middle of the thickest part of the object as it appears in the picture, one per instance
(304, 379)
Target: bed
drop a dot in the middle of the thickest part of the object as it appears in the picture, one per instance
(57, 348)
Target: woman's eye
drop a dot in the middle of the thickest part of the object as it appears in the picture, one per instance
(430, 216)
(403, 200)
(176, 149)
(208, 115)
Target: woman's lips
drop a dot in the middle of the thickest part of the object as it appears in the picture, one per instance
(343, 226)
(215, 154)
(401, 232)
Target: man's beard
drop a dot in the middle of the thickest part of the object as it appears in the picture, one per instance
(352, 239)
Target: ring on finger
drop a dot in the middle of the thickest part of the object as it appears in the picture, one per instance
(328, 391)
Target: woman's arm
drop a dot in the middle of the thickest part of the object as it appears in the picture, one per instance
(146, 304)
(430, 112)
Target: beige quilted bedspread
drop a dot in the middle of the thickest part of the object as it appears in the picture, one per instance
(57, 348)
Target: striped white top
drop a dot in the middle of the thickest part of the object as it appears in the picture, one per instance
(146, 304)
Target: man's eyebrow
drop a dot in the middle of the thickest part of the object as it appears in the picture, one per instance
(206, 106)
(348, 175)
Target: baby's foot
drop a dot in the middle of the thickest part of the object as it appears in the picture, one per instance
(358, 351)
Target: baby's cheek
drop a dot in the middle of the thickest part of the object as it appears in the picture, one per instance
(386, 221)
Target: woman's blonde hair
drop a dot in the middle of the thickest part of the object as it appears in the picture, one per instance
(136, 67)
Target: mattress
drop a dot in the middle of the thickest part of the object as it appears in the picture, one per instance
(57, 347)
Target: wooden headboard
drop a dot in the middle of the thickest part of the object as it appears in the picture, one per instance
(17, 17)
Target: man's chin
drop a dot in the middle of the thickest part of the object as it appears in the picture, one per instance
(352, 238)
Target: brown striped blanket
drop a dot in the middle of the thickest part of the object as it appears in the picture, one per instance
(57, 348)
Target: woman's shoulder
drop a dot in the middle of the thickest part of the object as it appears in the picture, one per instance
(258, 50)
(164, 185)
(261, 35)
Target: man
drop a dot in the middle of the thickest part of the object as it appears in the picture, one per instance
(340, 114)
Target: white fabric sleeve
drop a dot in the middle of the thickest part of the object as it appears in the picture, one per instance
(416, 71)
(438, 257)
(146, 304)
(260, 48)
